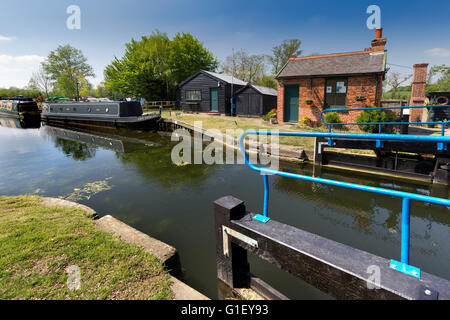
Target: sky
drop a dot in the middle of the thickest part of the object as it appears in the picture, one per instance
(417, 31)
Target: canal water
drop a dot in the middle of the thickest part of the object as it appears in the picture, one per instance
(130, 176)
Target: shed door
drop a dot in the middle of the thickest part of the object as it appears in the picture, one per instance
(254, 104)
(291, 103)
(214, 96)
(242, 105)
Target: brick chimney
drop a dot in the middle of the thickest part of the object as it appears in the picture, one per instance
(379, 43)
(418, 97)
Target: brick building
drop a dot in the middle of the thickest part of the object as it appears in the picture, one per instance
(308, 85)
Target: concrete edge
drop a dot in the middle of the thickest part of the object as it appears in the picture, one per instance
(56, 202)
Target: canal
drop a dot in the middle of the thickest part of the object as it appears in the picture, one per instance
(130, 176)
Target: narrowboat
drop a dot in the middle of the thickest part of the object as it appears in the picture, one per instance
(20, 108)
(118, 114)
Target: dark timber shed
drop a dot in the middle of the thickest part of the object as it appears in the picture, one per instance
(255, 101)
(207, 91)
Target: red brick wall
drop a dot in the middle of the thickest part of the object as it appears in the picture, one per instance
(314, 89)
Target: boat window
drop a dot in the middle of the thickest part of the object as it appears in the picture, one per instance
(60, 109)
(107, 109)
(88, 109)
(74, 109)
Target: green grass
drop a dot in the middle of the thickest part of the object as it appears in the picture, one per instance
(39, 243)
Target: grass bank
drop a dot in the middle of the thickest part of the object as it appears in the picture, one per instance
(43, 247)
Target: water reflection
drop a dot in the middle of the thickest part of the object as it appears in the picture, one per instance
(148, 153)
(78, 151)
(16, 123)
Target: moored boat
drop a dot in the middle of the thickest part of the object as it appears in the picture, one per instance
(21, 108)
(120, 114)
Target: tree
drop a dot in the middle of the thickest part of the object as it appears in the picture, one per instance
(152, 67)
(142, 71)
(41, 81)
(442, 83)
(64, 66)
(395, 80)
(248, 68)
(267, 81)
(281, 53)
(187, 56)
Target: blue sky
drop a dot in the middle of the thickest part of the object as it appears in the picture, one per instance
(417, 31)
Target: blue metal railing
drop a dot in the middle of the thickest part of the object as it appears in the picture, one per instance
(442, 123)
(406, 197)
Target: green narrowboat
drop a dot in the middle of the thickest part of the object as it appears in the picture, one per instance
(20, 108)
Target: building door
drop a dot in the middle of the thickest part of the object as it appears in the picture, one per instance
(291, 103)
(214, 97)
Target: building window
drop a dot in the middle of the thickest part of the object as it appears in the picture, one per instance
(336, 93)
(193, 95)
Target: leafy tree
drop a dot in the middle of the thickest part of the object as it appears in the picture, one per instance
(187, 56)
(64, 65)
(13, 91)
(152, 67)
(442, 83)
(267, 81)
(281, 53)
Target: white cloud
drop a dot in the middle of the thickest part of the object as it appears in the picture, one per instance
(438, 52)
(17, 70)
(4, 38)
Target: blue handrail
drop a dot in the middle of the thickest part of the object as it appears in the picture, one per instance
(443, 123)
(406, 197)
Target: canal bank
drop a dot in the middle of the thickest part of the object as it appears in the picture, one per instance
(29, 274)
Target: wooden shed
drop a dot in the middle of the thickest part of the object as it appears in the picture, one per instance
(255, 101)
(207, 91)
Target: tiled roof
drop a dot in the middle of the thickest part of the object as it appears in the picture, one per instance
(361, 62)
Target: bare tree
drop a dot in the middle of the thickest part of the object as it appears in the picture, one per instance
(395, 80)
(249, 68)
(41, 81)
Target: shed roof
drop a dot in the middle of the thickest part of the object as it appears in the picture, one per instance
(260, 89)
(349, 63)
(217, 76)
(227, 78)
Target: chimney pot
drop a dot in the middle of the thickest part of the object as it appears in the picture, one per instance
(379, 33)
